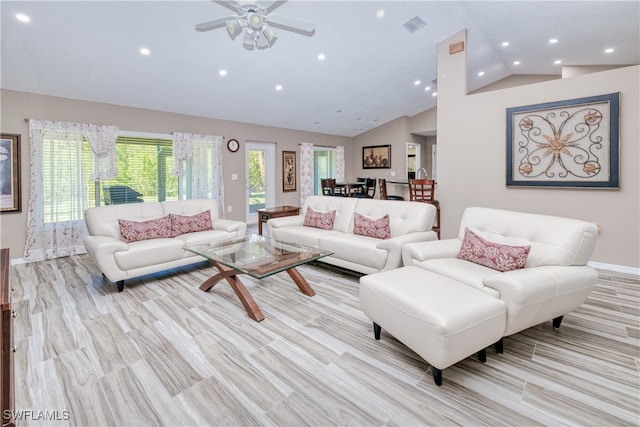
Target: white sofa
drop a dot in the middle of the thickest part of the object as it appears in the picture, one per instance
(554, 281)
(408, 221)
(119, 261)
(447, 308)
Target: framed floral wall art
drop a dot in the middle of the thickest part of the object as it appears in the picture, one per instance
(571, 143)
(9, 173)
(289, 171)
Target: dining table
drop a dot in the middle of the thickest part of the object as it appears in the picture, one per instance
(350, 188)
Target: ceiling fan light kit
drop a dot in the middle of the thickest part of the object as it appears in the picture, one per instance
(256, 20)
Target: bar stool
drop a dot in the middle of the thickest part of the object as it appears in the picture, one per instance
(383, 191)
(424, 190)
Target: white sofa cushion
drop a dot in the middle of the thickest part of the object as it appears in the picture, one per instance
(355, 248)
(344, 207)
(410, 218)
(104, 221)
(553, 240)
(463, 271)
(149, 252)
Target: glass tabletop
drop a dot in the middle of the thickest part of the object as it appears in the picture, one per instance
(257, 256)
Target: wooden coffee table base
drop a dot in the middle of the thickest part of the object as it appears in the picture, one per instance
(242, 292)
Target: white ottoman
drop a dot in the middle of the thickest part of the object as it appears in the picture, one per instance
(441, 319)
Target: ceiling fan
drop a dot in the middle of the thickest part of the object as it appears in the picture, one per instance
(258, 21)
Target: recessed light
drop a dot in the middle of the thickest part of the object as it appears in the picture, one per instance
(338, 111)
(144, 51)
(222, 72)
(609, 50)
(434, 94)
(557, 62)
(417, 82)
(553, 41)
(427, 89)
(481, 73)
(505, 44)
(316, 122)
(278, 87)
(22, 17)
(321, 57)
(380, 13)
(516, 62)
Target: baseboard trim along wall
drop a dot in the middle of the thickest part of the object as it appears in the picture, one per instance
(616, 268)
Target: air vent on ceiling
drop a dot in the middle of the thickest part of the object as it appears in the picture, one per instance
(414, 24)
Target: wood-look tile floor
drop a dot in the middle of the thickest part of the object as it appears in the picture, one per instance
(165, 353)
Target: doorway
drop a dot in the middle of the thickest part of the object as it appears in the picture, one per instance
(413, 159)
(260, 179)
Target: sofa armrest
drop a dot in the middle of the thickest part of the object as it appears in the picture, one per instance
(102, 250)
(285, 221)
(422, 251)
(537, 294)
(395, 244)
(231, 226)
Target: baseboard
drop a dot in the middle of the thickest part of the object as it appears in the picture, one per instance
(615, 268)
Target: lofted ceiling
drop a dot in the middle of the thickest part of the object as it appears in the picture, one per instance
(90, 50)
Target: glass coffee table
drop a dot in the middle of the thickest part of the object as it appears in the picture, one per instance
(258, 257)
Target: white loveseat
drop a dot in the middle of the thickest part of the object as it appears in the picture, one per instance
(408, 222)
(119, 260)
(554, 281)
(447, 308)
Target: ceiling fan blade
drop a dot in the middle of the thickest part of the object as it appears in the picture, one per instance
(229, 4)
(274, 5)
(210, 25)
(292, 24)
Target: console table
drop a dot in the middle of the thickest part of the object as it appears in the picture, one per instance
(265, 215)
(6, 348)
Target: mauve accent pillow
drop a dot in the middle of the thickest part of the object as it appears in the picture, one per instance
(378, 228)
(181, 224)
(322, 220)
(493, 255)
(134, 231)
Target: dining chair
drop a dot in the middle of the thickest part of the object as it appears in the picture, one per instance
(329, 187)
(424, 190)
(368, 189)
(383, 191)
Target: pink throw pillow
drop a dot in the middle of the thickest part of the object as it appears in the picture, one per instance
(493, 255)
(133, 231)
(319, 219)
(378, 228)
(181, 224)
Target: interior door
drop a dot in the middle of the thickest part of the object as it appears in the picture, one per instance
(260, 178)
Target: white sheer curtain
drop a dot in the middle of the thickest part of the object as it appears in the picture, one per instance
(340, 163)
(306, 171)
(197, 160)
(57, 185)
(102, 140)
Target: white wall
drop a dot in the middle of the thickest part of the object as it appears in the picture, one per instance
(472, 155)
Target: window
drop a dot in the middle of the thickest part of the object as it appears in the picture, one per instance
(324, 166)
(144, 173)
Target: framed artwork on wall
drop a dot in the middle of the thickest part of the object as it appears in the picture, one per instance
(376, 157)
(289, 177)
(571, 143)
(9, 173)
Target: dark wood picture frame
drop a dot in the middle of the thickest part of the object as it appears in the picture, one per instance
(376, 157)
(289, 175)
(565, 144)
(9, 173)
